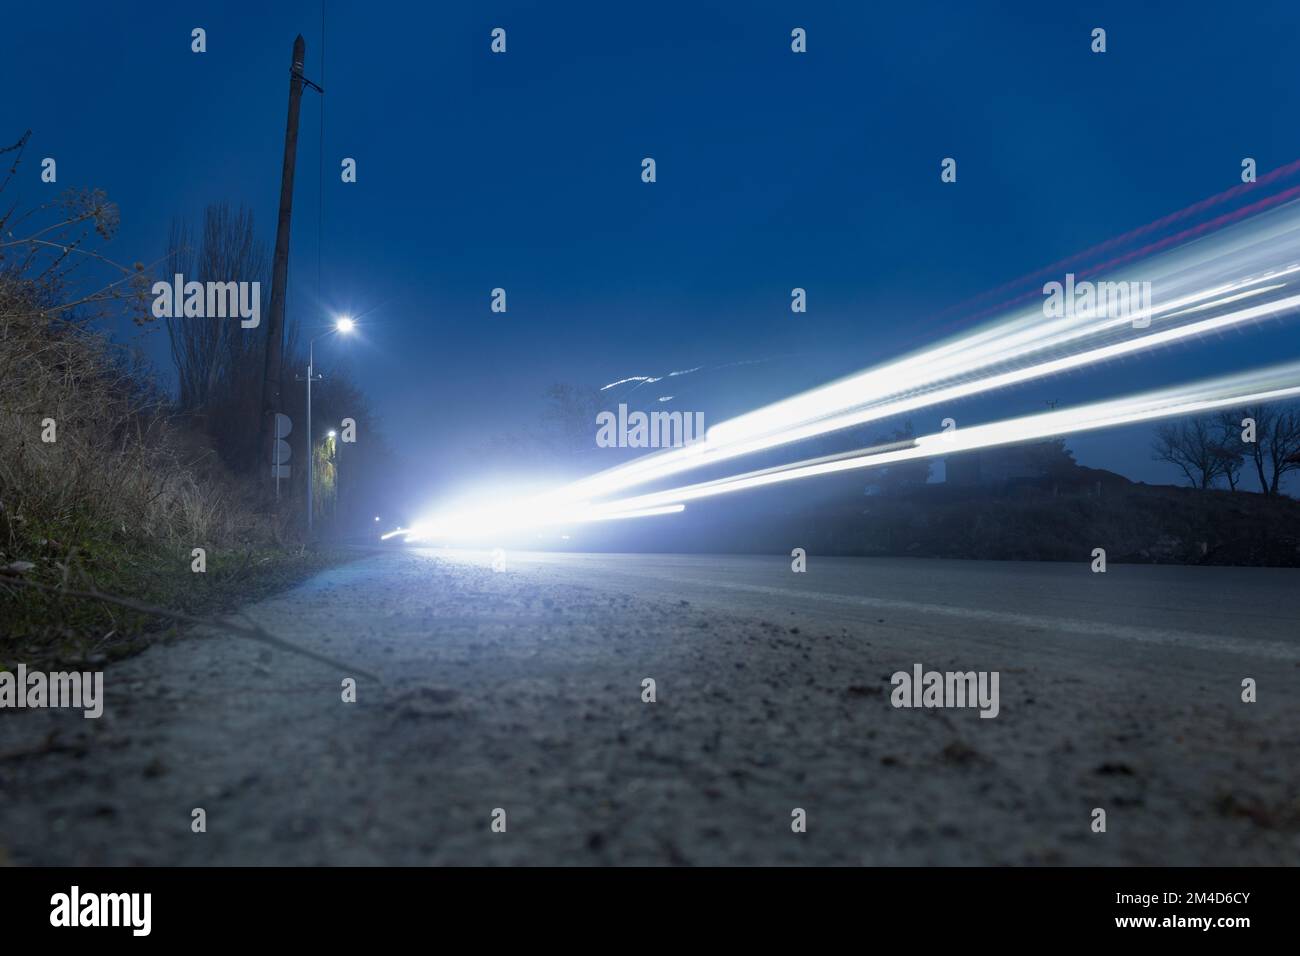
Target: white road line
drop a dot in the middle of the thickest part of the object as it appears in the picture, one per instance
(1146, 635)
(1277, 650)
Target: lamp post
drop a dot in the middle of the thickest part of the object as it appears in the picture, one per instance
(343, 325)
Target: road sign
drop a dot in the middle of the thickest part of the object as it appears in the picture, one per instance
(281, 452)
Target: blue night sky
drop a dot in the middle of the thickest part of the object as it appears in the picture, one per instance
(774, 171)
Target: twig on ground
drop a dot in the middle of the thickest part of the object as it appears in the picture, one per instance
(252, 631)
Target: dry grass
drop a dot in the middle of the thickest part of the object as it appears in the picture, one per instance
(117, 500)
(116, 469)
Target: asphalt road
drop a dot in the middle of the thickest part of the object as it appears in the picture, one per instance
(520, 690)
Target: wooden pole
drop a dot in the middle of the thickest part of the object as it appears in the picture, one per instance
(272, 378)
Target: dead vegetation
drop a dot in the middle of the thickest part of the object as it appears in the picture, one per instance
(103, 486)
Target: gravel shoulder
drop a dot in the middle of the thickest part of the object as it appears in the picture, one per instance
(522, 690)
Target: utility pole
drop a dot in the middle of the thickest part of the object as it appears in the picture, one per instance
(272, 375)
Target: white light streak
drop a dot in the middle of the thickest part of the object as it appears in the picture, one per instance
(1275, 384)
(1209, 273)
(1256, 258)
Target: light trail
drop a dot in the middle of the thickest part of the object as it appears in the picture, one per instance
(1196, 208)
(1277, 383)
(888, 409)
(639, 513)
(494, 520)
(1211, 273)
(1241, 273)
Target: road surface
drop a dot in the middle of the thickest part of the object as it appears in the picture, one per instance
(521, 690)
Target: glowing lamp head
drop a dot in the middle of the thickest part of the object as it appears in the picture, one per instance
(330, 433)
(345, 324)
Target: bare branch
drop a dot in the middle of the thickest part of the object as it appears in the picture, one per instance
(252, 631)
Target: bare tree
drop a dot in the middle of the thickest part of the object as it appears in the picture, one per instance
(120, 473)
(54, 247)
(560, 440)
(1229, 447)
(1194, 446)
(1276, 448)
(218, 362)
(209, 351)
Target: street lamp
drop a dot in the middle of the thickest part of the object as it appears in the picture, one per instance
(343, 325)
